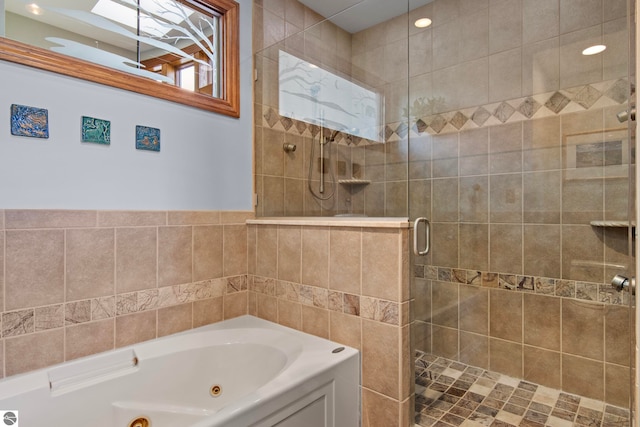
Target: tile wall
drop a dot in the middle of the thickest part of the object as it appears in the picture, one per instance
(76, 283)
(489, 116)
(350, 285)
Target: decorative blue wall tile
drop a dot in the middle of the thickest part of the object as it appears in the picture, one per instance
(147, 138)
(96, 130)
(29, 121)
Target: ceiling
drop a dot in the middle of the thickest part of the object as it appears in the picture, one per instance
(357, 15)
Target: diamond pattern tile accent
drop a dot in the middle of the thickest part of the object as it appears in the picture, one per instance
(618, 91)
(529, 107)
(504, 112)
(300, 126)
(402, 130)
(271, 117)
(557, 102)
(459, 120)
(480, 116)
(420, 126)
(587, 96)
(286, 122)
(388, 132)
(438, 123)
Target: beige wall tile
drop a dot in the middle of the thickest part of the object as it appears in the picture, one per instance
(380, 358)
(90, 261)
(505, 148)
(236, 217)
(193, 217)
(474, 152)
(540, 20)
(207, 252)
(542, 250)
(444, 236)
(584, 377)
(542, 321)
(582, 200)
(236, 305)
(506, 198)
(135, 328)
(541, 197)
(89, 338)
(582, 253)
(345, 329)
(542, 142)
(474, 349)
(267, 251)
(474, 246)
(505, 75)
(505, 357)
(379, 410)
(505, 319)
(289, 253)
(542, 367)
(505, 25)
(474, 199)
(617, 385)
(580, 336)
(268, 308)
(506, 248)
(131, 218)
(136, 258)
(174, 319)
(207, 311)
(444, 342)
(235, 250)
(46, 218)
(474, 309)
(44, 349)
(174, 255)
(345, 260)
(445, 191)
(381, 257)
(315, 321)
(421, 336)
(575, 68)
(578, 14)
(541, 68)
(315, 256)
(445, 304)
(289, 314)
(617, 343)
(34, 268)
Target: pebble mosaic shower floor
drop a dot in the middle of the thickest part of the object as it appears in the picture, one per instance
(449, 393)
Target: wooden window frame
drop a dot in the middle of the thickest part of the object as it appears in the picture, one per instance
(228, 103)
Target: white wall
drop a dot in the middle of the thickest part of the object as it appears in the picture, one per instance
(205, 160)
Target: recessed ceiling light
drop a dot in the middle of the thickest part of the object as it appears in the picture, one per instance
(34, 8)
(593, 50)
(422, 22)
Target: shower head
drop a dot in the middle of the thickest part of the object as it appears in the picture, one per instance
(625, 115)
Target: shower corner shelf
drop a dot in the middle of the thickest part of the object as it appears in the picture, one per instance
(612, 224)
(354, 181)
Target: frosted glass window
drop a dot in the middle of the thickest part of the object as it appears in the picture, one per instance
(313, 95)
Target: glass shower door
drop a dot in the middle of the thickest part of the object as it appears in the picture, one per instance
(521, 156)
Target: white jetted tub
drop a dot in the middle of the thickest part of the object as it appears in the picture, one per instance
(240, 372)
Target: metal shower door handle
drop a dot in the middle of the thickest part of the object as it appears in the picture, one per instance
(427, 236)
(622, 283)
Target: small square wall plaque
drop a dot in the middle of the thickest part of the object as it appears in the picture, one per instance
(96, 131)
(29, 121)
(147, 138)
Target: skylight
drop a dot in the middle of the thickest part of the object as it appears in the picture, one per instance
(156, 16)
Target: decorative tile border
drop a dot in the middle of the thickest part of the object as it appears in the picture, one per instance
(585, 291)
(37, 319)
(575, 99)
(383, 311)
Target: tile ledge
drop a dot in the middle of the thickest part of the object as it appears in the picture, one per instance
(344, 221)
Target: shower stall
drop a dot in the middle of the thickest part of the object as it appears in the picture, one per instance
(509, 126)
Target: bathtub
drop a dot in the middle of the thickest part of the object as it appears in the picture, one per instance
(240, 372)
